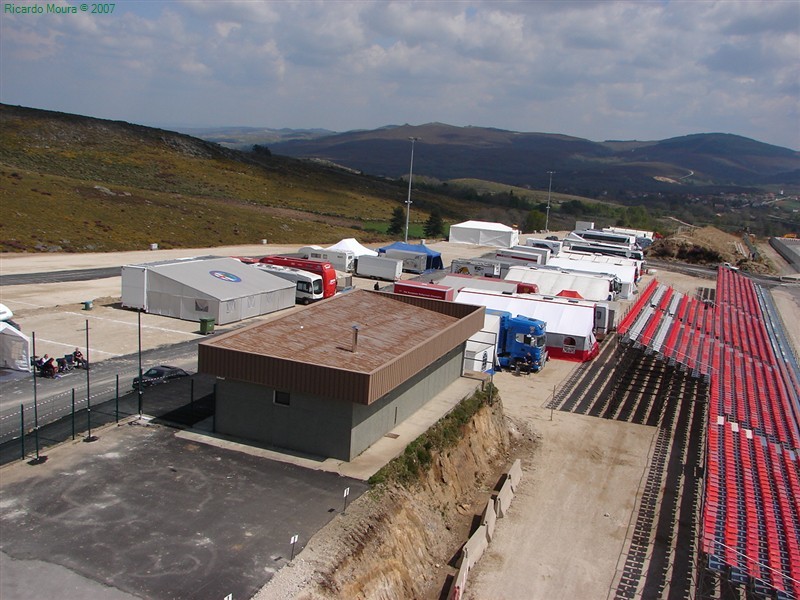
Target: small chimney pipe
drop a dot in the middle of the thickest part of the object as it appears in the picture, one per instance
(355, 338)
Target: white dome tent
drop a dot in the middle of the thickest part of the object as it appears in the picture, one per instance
(352, 245)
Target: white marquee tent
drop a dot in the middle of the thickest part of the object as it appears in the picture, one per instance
(597, 287)
(482, 233)
(15, 348)
(353, 246)
(191, 289)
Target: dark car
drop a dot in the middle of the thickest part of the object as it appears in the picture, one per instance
(159, 374)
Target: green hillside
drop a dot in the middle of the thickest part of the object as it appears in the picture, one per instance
(77, 184)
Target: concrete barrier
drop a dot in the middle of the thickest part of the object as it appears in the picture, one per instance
(504, 497)
(475, 547)
(478, 542)
(460, 582)
(489, 519)
(515, 474)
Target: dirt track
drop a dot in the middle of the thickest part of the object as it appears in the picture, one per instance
(567, 526)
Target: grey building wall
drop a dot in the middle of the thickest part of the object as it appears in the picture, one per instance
(325, 426)
(372, 422)
(318, 426)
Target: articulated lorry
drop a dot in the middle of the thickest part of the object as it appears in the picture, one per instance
(520, 342)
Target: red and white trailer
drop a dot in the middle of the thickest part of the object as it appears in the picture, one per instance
(424, 290)
(570, 326)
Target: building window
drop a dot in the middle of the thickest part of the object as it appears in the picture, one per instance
(282, 398)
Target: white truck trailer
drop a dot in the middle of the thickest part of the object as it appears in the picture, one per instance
(522, 255)
(342, 260)
(476, 267)
(413, 262)
(379, 267)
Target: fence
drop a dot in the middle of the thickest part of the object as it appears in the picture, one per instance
(183, 402)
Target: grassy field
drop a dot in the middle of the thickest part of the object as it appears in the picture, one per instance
(532, 196)
(76, 184)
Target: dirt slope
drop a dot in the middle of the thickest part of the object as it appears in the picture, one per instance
(708, 246)
(396, 543)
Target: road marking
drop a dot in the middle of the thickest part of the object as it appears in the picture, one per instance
(26, 303)
(92, 350)
(131, 324)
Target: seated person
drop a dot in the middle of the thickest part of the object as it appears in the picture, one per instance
(77, 356)
(527, 365)
(49, 369)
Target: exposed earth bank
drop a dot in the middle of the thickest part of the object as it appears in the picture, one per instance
(402, 542)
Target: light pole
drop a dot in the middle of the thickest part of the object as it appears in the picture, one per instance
(549, 190)
(139, 382)
(410, 173)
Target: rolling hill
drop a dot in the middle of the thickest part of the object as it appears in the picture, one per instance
(583, 167)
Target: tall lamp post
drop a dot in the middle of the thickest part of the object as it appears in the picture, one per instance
(549, 190)
(139, 382)
(410, 173)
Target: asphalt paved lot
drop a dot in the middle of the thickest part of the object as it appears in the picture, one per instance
(107, 378)
(154, 516)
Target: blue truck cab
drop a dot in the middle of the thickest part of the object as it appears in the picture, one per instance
(521, 342)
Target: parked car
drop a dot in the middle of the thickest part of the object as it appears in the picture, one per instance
(159, 374)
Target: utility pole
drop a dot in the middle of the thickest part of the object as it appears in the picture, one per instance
(549, 190)
(410, 173)
(139, 383)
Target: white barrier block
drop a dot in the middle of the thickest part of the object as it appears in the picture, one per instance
(504, 497)
(460, 582)
(475, 547)
(515, 474)
(489, 519)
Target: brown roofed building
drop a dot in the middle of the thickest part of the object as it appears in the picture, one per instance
(335, 377)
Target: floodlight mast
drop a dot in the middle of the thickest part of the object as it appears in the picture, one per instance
(549, 190)
(410, 174)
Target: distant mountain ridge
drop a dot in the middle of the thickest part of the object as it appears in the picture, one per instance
(582, 166)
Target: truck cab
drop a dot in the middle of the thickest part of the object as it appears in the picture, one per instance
(521, 343)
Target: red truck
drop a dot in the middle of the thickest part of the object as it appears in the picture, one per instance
(325, 269)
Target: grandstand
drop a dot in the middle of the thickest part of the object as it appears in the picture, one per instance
(749, 527)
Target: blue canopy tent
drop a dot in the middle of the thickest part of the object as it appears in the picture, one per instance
(434, 258)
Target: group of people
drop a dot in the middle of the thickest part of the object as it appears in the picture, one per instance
(51, 367)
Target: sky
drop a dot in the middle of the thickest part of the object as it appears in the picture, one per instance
(599, 70)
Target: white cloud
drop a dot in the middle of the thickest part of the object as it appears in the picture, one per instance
(600, 70)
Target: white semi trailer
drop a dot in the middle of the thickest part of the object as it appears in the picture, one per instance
(379, 267)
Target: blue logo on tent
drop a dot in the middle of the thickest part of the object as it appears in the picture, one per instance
(225, 276)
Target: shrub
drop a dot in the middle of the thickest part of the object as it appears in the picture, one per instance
(446, 433)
